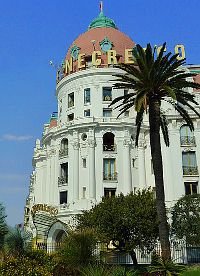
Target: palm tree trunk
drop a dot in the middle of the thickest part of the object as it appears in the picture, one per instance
(154, 122)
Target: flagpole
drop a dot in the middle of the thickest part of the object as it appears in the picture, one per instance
(101, 6)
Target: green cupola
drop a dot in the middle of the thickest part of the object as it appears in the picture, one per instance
(102, 21)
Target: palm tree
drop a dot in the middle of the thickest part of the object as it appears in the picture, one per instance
(155, 80)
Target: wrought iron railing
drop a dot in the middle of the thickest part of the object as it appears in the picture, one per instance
(181, 253)
(189, 170)
(62, 180)
(63, 153)
(109, 147)
(110, 176)
(188, 140)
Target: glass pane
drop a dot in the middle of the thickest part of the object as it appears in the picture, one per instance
(107, 112)
(187, 189)
(194, 188)
(87, 113)
(87, 95)
(189, 159)
(107, 93)
(63, 197)
(71, 100)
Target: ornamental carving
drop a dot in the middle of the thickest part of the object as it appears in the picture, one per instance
(126, 142)
(106, 44)
(75, 50)
(91, 143)
(76, 145)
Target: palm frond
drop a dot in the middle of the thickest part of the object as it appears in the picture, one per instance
(185, 115)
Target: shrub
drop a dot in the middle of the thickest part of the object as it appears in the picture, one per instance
(78, 249)
(23, 266)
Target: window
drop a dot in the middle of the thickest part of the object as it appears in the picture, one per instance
(63, 148)
(126, 113)
(108, 142)
(107, 94)
(187, 136)
(70, 117)
(189, 163)
(133, 162)
(107, 112)
(64, 143)
(87, 96)
(125, 92)
(64, 172)
(190, 188)
(84, 162)
(109, 169)
(84, 192)
(87, 113)
(71, 100)
(63, 197)
(109, 192)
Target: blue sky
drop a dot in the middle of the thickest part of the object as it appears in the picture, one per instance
(36, 31)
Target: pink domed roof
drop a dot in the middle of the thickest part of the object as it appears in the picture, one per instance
(90, 41)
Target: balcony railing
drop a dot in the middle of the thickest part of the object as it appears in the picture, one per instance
(188, 170)
(62, 181)
(110, 176)
(63, 153)
(188, 140)
(109, 147)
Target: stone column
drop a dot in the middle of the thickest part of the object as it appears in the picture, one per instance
(92, 182)
(76, 169)
(141, 164)
(127, 167)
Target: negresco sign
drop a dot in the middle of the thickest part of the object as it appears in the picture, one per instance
(45, 208)
(112, 58)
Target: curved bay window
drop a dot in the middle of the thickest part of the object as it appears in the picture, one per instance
(63, 148)
(187, 136)
(109, 142)
(189, 163)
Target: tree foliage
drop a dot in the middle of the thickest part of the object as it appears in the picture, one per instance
(3, 225)
(17, 241)
(186, 219)
(127, 221)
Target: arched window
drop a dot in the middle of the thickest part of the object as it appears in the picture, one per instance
(109, 142)
(187, 136)
(63, 148)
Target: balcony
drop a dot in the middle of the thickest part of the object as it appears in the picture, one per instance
(63, 153)
(62, 181)
(188, 141)
(109, 147)
(188, 170)
(110, 176)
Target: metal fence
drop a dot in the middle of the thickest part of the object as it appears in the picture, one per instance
(182, 253)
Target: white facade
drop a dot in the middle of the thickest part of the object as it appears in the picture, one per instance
(87, 153)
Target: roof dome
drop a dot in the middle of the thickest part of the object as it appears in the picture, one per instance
(102, 35)
(102, 21)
